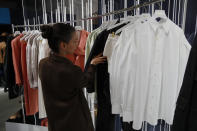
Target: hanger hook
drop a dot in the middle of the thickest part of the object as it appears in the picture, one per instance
(39, 23)
(146, 9)
(132, 13)
(34, 23)
(159, 5)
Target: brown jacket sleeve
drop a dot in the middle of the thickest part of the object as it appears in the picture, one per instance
(85, 79)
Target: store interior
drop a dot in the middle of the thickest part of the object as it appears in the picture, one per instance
(148, 82)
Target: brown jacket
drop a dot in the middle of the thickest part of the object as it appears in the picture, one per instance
(62, 84)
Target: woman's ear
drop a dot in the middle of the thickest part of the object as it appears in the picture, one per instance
(63, 45)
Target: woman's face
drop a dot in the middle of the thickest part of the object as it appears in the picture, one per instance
(73, 44)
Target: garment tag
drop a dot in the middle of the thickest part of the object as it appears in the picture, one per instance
(113, 34)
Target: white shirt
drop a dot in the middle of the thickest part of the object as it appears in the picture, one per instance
(121, 65)
(110, 50)
(157, 57)
(44, 52)
(34, 61)
(29, 61)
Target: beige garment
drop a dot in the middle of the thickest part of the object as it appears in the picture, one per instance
(2, 53)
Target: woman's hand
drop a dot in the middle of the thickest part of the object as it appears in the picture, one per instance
(99, 59)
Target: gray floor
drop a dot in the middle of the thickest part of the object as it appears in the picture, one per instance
(7, 108)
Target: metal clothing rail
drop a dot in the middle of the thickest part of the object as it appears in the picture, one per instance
(99, 16)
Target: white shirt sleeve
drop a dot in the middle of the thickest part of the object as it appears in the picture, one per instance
(185, 48)
(34, 64)
(119, 70)
(44, 52)
(116, 109)
(28, 59)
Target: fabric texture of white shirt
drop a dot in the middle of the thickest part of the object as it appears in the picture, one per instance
(155, 60)
(44, 52)
(29, 61)
(110, 50)
(34, 61)
(121, 65)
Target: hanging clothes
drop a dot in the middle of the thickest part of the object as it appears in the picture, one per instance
(80, 51)
(90, 42)
(16, 55)
(118, 57)
(153, 57)
(105, 120)
(2, 51)
(34, 61)
(44, 52)
(30, 94)
(185, 118)
(29, 57)
(10, 83)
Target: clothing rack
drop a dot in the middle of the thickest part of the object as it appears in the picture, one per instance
(97, 16)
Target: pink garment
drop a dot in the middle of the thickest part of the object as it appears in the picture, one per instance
(30, 94)
(16, 56)
(80, 52)
(78, 57)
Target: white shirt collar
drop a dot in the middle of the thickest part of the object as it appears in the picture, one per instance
(155, 25)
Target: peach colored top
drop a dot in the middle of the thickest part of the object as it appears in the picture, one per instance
(16, 56)
(78, 57)
(30, 94)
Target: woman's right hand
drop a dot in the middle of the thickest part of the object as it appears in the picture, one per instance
(99, 59)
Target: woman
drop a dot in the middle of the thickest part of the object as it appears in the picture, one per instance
(62, 82)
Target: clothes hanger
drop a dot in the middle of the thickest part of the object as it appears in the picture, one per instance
(38, 23)
(143, 18)
(78, 28)
(173, 10)
(179, 12)
(160, 15)
(145, 10)
(61, 10)
(65, 17)
(45, 13)
(145, 14)
(169, 8)
(58, 11)
(196, 26)
(32, 33)
(17, 33)
(24, 32)
(105, 23)
(40, 36)
(112, 24)
(126, 20)
(116, 25)
(28, 31)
